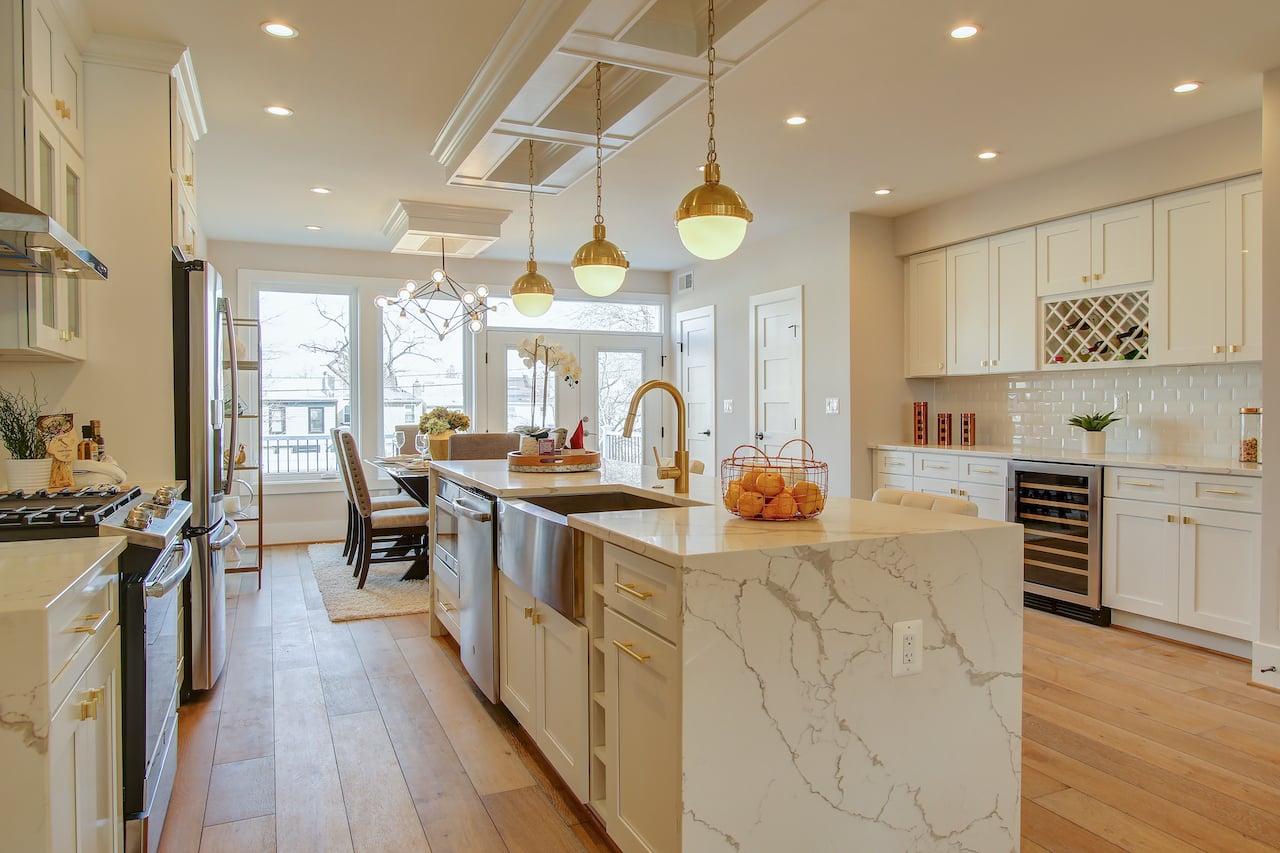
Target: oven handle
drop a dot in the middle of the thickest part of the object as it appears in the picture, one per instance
(460, 508)
(232, 531)
(163, 585)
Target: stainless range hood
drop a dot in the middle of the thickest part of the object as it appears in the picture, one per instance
(32, 242)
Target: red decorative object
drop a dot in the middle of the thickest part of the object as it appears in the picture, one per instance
(944, 429)
(575, 440)
(921, 423)
(968, 429)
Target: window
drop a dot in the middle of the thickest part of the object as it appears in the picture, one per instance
(419, 370)
(275, 419)
(346, 416)
(596, 316)
(315, 419)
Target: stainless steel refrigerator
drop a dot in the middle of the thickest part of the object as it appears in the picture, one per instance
(204, 379)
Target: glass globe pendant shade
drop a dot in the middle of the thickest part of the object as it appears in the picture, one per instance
(599, 266)
(532, 293)
(712, 219)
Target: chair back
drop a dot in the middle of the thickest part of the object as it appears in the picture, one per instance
(483, 445)
(920, 500)
(410, 432)
(359, 487)
(342, 463)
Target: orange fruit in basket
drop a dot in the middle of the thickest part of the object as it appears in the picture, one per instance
(770, 484)
(781, 507)
(808, 497)
(750, 504)
(732, 494)
(749, 478)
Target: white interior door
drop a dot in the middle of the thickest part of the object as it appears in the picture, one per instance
(777, 367)
(696, 378)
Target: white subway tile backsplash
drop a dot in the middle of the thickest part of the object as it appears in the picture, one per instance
(1177, 410)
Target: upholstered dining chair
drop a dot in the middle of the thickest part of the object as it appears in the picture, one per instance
(410, 432)
(920, 500)
(483, 445)
(405, 526)
(377, 501)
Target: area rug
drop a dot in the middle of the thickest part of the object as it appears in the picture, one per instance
(384, 594)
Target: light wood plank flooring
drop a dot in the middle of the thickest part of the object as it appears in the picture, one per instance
(368, 736)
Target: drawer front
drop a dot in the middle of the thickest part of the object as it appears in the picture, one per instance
(930, 486)
(1243, 494)
(937, 466)
(446, 572)
(994, 472)
(892, 481)
(893, 462)
(447, 610)
(1142, 485)
(79, 623)
(644, 590)
(991, 500)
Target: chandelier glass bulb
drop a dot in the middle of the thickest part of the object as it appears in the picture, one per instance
(468, 298)
(476, 325)
(482, 292)
(381, 301)
(437, 276)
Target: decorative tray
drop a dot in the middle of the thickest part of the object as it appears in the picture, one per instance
(565, 462)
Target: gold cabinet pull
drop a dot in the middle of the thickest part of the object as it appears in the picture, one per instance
(1222, 492)
(1138, 483)
(1234, 348)
(189, 180)
(982, 363)
(894, 464)
(1217, 348)
(1171, 518)
(630, 589)
(1084, 279)
(1097, 276)
(528, 613)
(1186, 520)
(98, 694)
(984, 470)
(59, 105)
(445, 606)
(936, 467)
(95, 627)
(88, 710)
(626, 647)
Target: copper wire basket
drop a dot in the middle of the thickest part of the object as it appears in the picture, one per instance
(761, 487)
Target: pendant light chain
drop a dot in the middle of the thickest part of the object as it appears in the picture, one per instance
(711, 81)
(530, 199)
(599, 149)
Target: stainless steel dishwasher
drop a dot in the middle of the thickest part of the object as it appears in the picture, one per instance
(474, 514)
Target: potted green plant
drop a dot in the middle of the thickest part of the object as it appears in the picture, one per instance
(440, 423)
(29, 465)
(1095, 440)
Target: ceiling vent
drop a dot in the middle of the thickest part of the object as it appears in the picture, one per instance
(417, 228)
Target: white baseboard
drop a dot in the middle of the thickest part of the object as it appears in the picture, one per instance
(1183, 634)
(288, 533)
(1266, 655)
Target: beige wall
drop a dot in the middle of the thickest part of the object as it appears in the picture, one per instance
(127, 381)
(1266, 652)
(1213, 152)
(814, 255)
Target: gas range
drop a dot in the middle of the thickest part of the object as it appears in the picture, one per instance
(58, 514)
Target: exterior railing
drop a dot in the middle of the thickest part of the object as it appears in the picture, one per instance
(299, 454)
(616, 448)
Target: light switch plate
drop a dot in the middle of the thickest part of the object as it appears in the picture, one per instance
(728, 407)
(833, 405)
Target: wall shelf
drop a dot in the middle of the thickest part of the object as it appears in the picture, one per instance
(1096, 329)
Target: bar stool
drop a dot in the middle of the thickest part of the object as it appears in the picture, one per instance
(920, 500)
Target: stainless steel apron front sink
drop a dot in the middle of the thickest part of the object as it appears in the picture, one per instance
(542, 555)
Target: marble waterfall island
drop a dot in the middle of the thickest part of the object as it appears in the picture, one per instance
(794, 734)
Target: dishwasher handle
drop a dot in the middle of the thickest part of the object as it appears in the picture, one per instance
(463, 509)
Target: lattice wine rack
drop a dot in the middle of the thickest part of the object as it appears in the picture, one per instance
(1096, 329)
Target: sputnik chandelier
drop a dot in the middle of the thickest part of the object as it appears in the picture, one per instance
(440, 304)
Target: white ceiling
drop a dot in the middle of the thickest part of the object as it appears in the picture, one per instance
(891, 99)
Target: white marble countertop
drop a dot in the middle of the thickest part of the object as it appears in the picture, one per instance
(33, 574)
(493, 476)
(1195, 464)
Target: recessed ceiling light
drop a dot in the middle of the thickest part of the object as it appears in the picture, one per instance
(796, 120)
(1189, 86)
(279, 29)
(321, 190)
(278, 110)
(988, 155)
(884, 191)
(965, 31)
(312, 227)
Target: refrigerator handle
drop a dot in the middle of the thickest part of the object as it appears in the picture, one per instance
(228, 536)
(235, 396)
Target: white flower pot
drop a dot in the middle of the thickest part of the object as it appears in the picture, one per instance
(1095, 443)
(27, 474)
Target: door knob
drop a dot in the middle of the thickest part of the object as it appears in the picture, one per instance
(759, 436)
(705, 432)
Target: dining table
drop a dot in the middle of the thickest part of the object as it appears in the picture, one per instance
(412, 475)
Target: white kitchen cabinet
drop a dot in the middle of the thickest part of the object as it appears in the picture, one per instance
(1140, 543)
(1188, 301)
(1106, 248)
(980, 479)
(968, 308)
(54, 69)
(642, 688)
(543, 680)
(1220, 555)
(991, 304)
(926, 309)
(1244, 269)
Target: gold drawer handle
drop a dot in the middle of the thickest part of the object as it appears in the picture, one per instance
(626, 647)
(936, 467)
(1218, 348)
(1234, 348)
(1186, 520)
(984, 470)
(895, 464)
(1171, 518)
(630, 589)
(188, 180)
(88, 710)
(98, 694)
(1222, 492)
(446, 607)
(95, 627)
(1139, 483)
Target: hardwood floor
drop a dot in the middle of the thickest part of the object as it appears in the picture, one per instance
(368, 736)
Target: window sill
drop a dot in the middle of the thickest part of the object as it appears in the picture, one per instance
(382, 483)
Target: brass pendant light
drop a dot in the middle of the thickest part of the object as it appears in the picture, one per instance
(599, 266)
(712, 218)
(532, 293)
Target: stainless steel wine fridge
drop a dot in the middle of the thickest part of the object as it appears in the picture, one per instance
(1060, 509)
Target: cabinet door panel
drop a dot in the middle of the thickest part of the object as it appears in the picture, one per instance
(1244, 269)
(930, 486)
(43, 35)
(1062, 256)
(1121, 245)
(518, 655)
(643, 739)
(968, 311)
(1011, 268)
(1221, 555)
(927, 314)
(562, 732)
(1188, 300)
(1140, 558)
(991, 500)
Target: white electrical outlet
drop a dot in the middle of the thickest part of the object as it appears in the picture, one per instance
(728, 407)
(833, 405)
(1120, 403)
(908, 647)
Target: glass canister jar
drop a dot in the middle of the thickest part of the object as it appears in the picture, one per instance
(1251, 435)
